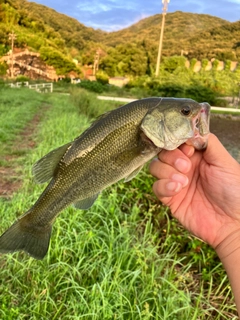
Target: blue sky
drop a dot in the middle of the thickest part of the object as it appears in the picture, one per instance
(111, 15)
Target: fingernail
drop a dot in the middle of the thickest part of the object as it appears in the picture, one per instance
(174, 186)
(181, 179)
(182, 165)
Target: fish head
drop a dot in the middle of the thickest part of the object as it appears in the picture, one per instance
(175, 121)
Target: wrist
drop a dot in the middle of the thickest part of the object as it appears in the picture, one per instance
(229, 253)
(229, 246)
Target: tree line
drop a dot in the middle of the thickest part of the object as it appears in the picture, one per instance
(131, 51)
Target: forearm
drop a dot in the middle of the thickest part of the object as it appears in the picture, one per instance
(229, 253)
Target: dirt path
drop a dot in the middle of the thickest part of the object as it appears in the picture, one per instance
(10, 175)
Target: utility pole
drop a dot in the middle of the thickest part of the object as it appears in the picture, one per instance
(12, 37)
(165, 7)
(96, 62)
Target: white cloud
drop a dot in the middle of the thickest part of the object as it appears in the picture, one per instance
(111, 15)
(94, 8)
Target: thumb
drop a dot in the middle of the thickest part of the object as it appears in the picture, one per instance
(216, 153)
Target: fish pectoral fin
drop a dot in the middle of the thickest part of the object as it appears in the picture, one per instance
(86, 203)
(44, 168)
(133, 174)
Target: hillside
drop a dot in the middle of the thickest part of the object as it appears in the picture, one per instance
(72, 31)
(179, 26)
(59, 39)
(222, 41)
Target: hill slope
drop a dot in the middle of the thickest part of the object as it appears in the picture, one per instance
(59, 38)
(178, 26)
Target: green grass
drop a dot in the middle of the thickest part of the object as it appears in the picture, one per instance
(125, 258)
(17, 108)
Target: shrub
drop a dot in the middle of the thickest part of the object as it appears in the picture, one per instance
(215, 64)
(3, 68)
(227, 64)
(192, 63)
(93, 86)
(170, 64)
(204, 63)
(102, 77)
(201, 93)
(22, 78)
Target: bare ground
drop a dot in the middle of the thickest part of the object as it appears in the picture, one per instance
(10, 176)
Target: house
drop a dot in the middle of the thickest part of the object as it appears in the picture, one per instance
(118, 81)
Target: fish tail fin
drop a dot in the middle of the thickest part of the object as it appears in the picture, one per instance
(20, 236)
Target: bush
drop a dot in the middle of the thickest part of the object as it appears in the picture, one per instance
(3, 68)
(172, 90)
(170, 64)
(201, 94)
(192, 63)
(87, 103)
(204, 63)
(102, 77)
(93, 86)
(22, 78)
(215, 64)
(227, 65)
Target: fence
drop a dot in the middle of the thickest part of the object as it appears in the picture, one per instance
(39, 87)
(234, 110)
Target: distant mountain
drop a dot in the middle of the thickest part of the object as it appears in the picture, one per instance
(179, 26)
(201, 35)
(222, 41)
(59, 39)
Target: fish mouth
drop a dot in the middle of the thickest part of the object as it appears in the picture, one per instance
(200, 125)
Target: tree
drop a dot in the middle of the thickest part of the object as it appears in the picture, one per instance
(170, 64)
(3, 69)
(54, 58)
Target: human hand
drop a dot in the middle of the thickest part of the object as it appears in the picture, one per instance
(202, 189)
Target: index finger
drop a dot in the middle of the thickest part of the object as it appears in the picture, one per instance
(177, 159)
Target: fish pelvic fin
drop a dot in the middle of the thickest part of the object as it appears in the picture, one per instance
(85, 204)
(34, 241)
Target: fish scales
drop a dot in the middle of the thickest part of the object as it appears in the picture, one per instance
(114, 147)
(127, 114)
(101, 163)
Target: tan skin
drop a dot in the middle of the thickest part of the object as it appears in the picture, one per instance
(202, 189)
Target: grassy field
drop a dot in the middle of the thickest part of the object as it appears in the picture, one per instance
(125, 258)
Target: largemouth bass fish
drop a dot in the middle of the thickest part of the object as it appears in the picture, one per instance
(114, 147)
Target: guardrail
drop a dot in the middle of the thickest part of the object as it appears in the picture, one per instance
(42, 87)
(19, 84)
(39, 87)
(234, 110)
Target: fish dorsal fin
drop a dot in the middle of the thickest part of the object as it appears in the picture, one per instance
(133, 174)
(86, 203)
(44, 168)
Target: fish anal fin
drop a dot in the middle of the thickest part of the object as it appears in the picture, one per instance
(44, 168)
(86, 203)
(34, 241)
(133, 174)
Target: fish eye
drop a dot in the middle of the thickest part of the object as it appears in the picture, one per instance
(186, 111)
